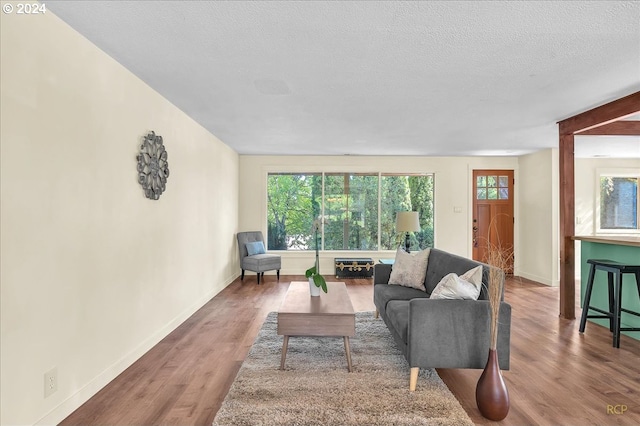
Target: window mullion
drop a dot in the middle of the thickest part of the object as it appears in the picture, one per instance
(322, 217)
(379, 210)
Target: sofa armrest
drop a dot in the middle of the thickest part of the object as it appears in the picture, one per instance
(455, 333)
(381, 273)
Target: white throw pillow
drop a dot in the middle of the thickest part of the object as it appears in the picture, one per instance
(409, 269)
(467, 286)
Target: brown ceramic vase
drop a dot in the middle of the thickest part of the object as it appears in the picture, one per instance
(492, 396)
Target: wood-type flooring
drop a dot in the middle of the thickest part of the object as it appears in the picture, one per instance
(557, 376)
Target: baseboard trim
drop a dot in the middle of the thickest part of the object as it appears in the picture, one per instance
(73, 402)
(536, 278)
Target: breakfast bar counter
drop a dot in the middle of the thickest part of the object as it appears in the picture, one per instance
(624, 249)
(621, 240)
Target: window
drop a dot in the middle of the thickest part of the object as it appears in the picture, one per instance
(618, 203)
(351, 211)
(406, 193)
(293, 201)
(358, 209)
(492, 188)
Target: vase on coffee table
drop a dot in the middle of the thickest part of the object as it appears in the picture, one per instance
(316, 280)
(314, 290)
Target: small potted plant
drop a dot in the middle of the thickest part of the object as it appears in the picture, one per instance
(316, 280)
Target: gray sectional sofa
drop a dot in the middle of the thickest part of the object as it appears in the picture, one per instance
(441, 333)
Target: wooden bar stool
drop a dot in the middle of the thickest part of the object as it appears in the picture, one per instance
(615, 296)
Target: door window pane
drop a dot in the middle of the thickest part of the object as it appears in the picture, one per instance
(492, 187)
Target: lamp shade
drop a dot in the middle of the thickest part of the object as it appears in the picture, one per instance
(407, 222)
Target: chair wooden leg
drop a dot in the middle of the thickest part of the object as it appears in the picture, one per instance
(278, 274)
(258, 276)
(242, 276)
(376, 314)
(413, 380)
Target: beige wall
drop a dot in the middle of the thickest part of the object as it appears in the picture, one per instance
(538, 219)
(452, 186)
(93, 274)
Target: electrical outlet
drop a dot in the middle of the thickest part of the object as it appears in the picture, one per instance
(50, 382)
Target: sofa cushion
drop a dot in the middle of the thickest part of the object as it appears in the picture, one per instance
(453, 286)
(383, 293)
(398, 315)
(409, 269)
(261, 262)
(442, 263)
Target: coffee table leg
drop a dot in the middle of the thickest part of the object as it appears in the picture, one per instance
(285, 343)
(348, 351)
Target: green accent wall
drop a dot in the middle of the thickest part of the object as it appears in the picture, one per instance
(600, 294)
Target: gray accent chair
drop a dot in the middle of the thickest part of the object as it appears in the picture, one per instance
(258, 263)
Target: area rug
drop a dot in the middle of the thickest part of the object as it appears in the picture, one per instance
(316, 389)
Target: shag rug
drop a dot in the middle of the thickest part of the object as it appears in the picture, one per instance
(316, 389)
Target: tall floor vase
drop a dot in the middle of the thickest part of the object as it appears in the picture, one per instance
(492, 395)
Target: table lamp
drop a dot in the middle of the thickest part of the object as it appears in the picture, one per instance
(407, 222)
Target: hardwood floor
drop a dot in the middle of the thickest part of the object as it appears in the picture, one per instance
(557, 376)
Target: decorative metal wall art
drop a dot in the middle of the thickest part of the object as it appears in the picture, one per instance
(153, 168)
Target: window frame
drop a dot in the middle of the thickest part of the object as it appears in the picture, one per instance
(616, 173)
(323, 173)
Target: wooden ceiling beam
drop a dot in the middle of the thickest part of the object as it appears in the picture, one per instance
(604, 114)
(617, 128)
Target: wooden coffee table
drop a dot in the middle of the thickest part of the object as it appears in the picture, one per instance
(329, 315)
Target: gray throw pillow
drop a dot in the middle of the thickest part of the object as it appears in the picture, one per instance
(466, 287)
(409, 269)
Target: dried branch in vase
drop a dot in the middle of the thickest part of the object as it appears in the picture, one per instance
(499, 259)
(492, 395)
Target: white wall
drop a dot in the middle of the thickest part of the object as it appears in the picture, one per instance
(453, 188)
(538, 221)
(93, 274)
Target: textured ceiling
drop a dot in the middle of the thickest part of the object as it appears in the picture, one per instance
(375, 78)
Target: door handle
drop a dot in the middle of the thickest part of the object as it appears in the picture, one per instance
(475, 232)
